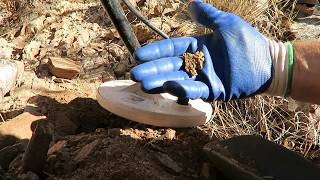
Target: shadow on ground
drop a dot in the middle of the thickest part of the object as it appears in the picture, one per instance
(89, 142)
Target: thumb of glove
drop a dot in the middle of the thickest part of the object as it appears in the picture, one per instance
(206, 14)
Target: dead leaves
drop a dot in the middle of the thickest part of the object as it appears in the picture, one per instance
(5, 49)
(64, 30)
(21, 36)
(160, 8)
(32, 50)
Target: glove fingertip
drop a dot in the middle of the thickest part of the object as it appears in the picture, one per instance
(187, 89)
(136, 74)
(204, 13)
(140, 54)
(175, 89)
(151, 87)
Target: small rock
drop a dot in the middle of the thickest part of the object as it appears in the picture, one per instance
(63, 67)
(29, 176)
(167, 162)
(19, 126)
(57, 147)
(86, 150)
(170, 134)
(120, 69)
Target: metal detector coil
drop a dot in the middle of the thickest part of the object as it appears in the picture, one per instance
(125, 98)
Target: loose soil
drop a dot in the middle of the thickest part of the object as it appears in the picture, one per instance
(91, 143)
(193, 62)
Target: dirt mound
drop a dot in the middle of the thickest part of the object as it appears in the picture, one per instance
(127, 153)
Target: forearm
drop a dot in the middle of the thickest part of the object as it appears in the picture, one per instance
(306, 72)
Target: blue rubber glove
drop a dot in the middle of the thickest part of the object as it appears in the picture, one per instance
(237, 60)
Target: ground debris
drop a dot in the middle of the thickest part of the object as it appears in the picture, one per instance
(122, 152)
(193, 62)
(86, 150)
(63, 67)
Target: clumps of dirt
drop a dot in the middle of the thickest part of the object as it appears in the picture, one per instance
(193, 62)
(126, 153)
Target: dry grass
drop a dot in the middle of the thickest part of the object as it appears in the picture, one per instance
(272, 17)
(266, 116)
(247, 9)
(269, 118)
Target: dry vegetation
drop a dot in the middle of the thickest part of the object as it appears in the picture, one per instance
(272, 17)
(295, 128)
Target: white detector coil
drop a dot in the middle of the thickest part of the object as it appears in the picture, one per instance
(125, 99)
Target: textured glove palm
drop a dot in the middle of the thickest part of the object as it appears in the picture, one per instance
(237, 60)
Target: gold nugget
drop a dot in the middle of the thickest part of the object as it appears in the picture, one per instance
(193, 62)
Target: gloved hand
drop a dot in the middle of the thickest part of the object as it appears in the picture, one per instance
(237, 64)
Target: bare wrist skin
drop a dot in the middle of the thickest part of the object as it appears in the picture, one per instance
(306, 72)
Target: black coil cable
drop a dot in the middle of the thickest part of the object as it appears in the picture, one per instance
(144, 19)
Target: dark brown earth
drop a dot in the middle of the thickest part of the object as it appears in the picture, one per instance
(126, 154)
(88, 142)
